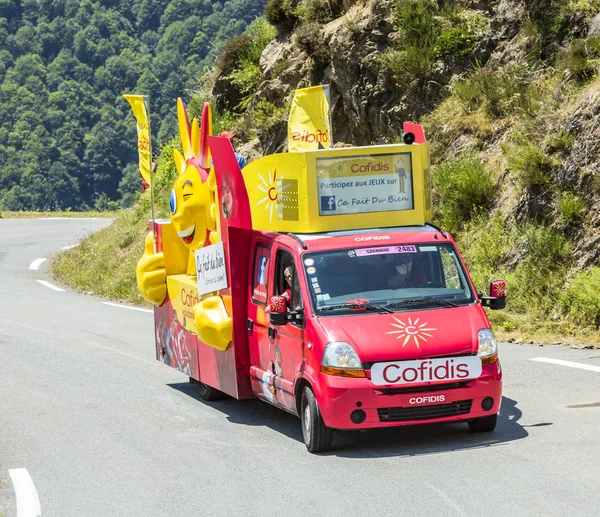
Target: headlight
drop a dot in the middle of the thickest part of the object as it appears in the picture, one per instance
(341, 355)
(487, 343)
(340, 359)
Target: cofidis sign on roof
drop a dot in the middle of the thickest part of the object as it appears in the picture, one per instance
(340, 189)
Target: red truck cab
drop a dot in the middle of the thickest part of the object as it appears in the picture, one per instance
(383, 328)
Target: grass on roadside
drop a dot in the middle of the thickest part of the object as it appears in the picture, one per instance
(109, 256)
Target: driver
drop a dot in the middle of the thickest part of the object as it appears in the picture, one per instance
(406, 274)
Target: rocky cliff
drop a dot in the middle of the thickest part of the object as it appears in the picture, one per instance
(508, 93)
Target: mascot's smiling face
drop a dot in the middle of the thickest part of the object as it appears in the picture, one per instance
(191, 199)
(192, 196)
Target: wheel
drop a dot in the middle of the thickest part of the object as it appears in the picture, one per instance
(484, 424)
(317, 436)
(207, 392)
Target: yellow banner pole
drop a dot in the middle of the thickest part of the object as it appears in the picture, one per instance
(141, 109)
(152, 167)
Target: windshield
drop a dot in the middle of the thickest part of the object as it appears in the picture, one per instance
(383, 279)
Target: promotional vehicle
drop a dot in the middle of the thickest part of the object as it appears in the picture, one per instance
(314, 281)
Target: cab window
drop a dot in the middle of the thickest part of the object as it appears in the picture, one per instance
(286, 280)
(260, 274)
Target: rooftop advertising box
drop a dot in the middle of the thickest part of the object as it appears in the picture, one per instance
(340, 189)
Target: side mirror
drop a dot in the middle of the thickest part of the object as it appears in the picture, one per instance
(279, 314)
(497, 298)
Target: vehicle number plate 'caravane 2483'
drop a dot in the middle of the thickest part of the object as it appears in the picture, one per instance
(426, 370)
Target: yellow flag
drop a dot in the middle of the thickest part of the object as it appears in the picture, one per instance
(139, 105)
(308, 123)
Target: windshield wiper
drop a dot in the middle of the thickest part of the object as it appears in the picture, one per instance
(423, 299)
(371, 306)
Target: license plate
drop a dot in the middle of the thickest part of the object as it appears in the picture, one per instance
(426, 370)
(429, 399)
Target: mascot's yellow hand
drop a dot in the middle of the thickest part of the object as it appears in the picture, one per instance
(215, 327)
(151, 274)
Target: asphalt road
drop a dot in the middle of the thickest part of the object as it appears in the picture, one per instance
(105, 430)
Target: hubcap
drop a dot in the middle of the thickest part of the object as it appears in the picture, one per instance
(307, 420)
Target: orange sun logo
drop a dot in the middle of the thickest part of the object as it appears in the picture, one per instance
(413, 330)
(273, 190)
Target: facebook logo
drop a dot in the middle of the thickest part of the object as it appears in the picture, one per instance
(327, 203)
(262, 270)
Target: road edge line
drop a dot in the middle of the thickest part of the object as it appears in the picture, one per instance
(571, 364)
(28, 501)
(35, 265)
(50, 286)
(121, 306)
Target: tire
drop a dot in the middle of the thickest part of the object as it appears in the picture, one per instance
(317, 436)
(206, 392)
(484, 424)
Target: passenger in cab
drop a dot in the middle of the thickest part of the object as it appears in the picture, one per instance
(407, 273)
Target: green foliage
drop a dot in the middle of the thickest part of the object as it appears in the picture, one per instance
(531, 164)
(428, 33)
(265, 114)
(319, 11)
(232, 53)
(110, 257)
(464, 189)
(579, 60)
(539, 256)
(67, 137)
(308, 38)
(246, 71)
(539, 275)
(580, 301)
(550, 18)
(455, 41)
(486, 244)
(571, 209)
(282, 13)
(499, 93)
(561, 142)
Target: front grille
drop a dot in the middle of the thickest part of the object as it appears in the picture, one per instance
(398, 414)
(419, 389)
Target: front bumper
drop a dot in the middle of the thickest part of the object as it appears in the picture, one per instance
(391, 406)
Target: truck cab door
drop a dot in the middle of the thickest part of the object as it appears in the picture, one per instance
(287, 341)
(260, 289)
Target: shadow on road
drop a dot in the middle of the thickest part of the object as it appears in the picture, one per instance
(398, 441)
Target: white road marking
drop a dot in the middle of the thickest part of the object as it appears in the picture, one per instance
(26, 326)
(69, 247)
(71, 218)
(560, 362)
(50, 286)
(28, 502)
(37, 263)
(128, 307)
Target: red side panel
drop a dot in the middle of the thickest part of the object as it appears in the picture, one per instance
(236, 234)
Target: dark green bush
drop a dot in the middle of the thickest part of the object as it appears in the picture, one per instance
(455, 41)
(580, 302)
(282, 14)
(499, 92)
(464, 190)
(532, 164)
(308, 38)
(232, 53)
(577, 61)
(316, 11)
(571, 208)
